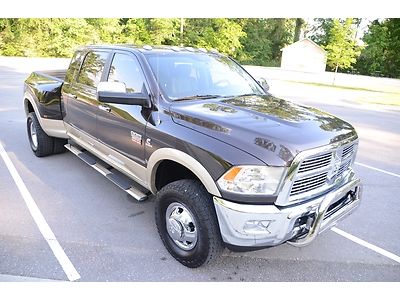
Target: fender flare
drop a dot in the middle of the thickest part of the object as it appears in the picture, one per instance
(185, 160)
(54, 128)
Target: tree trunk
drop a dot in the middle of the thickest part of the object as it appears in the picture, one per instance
(334, 75)
(297, 30)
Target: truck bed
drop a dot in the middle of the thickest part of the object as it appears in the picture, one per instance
(58, 75)
(45, 89)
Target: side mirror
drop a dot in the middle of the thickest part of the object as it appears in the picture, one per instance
(115, 92)
(263, 82)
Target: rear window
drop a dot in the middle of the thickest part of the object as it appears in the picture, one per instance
(92, 68)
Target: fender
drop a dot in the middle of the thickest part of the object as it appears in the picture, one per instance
(185, 160)
(54, 128)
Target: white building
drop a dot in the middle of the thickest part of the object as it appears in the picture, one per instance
(305, 56)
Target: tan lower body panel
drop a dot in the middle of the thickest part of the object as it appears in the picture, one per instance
(110, 156)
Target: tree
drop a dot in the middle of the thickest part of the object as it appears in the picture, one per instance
(221, 34)
(320, 31)
(297, 31)
(257, 44)
(341, 46)
(381, 53)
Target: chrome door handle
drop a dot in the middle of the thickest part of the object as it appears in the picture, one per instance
(105, 108)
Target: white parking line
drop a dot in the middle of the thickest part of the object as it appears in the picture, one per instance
(40, 221)
(376, 169)
(366, 244)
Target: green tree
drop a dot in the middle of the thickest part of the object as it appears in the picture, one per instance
(341, 46)
(381, 52)
(257, 45)
(221, 34)
(320, 31)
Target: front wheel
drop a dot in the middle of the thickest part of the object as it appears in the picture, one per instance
(187, 223)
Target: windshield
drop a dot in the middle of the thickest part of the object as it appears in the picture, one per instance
(185, 76)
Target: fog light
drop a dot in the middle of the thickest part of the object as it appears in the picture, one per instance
(257, 227)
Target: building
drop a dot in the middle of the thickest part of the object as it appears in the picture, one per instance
(305, 56)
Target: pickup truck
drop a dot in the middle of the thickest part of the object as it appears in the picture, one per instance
(229, 164)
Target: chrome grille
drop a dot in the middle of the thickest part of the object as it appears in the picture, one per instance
(308, 183)
(347, 151)
(315, 162)
(343, 168)
(318, 173)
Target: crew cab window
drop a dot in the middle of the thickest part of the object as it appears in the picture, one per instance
(74, 66)
(92, 68)
(126, 69)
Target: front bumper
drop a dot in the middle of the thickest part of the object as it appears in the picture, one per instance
(258, 226)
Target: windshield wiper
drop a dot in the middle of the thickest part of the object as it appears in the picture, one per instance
(250, 94)
(198, 97)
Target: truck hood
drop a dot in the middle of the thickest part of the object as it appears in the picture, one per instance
(272, 129)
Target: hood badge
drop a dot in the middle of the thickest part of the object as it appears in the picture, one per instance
(336, 162)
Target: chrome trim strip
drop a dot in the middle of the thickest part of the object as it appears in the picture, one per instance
(184, 159)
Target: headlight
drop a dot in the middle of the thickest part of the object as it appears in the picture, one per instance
(252, 180)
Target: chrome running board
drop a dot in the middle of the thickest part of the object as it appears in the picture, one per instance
(110, 173)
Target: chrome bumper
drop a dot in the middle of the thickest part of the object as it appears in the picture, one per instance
(246, 225)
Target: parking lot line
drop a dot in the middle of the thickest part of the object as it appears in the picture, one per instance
(40, 221)
(366, 244)
(377, 169)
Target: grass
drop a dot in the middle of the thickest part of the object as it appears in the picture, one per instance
(369, 96)
(383, 98)
(338, 86)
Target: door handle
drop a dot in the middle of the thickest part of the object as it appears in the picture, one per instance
(105, 108)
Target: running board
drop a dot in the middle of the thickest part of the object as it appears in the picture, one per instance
(117, 178)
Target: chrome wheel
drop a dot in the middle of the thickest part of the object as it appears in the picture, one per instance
(33, 133)
(181, 226)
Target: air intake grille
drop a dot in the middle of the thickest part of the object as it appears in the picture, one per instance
(308, 183)
(347, 151)
(315, 162)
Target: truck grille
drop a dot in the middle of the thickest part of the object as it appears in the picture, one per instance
(318, 173)
(315, 162)
(308, 183)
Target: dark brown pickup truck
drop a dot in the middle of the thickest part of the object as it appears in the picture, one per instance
(230, 164)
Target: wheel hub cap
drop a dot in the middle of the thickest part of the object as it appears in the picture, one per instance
(181, 226)
(33, 135)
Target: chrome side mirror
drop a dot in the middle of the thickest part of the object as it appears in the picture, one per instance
(114, 87)
(264, 84)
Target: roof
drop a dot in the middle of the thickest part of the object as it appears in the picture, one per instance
(148, 48)
(305, 40)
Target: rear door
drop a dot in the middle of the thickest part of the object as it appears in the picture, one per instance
(120, 126)
(82, 104)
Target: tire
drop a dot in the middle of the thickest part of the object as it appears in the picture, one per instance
(188, 198)
(43, 144)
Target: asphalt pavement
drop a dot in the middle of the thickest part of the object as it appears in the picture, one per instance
(109, 236)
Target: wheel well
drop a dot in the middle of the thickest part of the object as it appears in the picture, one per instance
(28, 106)
(169, 171)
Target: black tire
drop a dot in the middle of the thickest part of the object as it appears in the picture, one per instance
(45, 143)
(195, 198)
(59, 145)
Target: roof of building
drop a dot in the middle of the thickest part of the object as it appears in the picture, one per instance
(305, 40)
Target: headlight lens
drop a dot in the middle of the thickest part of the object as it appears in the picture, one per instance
(252, 180)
